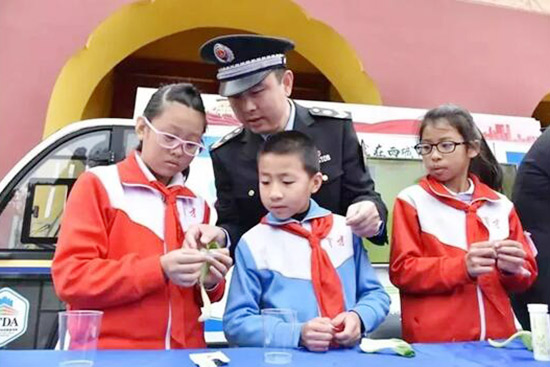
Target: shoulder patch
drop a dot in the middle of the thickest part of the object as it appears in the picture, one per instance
(234, 133)
(330, 112)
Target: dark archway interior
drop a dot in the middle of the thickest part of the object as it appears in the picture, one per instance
(175, 59)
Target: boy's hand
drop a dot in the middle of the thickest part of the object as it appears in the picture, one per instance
(220, 262)
(317, 334)
(363, 218)
(183, 266)
(511, 257)
(349, 325)
(481, 258)
(199, 235)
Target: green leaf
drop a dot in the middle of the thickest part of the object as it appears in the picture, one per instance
(213, 245)
(527, 340)
(524, 335)
(206, 310)
(399, 346)
(205, 268)
(404, 350)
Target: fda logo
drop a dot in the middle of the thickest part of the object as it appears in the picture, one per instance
(14, 313)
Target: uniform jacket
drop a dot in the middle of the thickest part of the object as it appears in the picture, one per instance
(265, 276)
(531, 197)
(108, 258)
(439, 300)
(346, 179)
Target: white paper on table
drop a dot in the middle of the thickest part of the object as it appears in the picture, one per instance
(209, 359)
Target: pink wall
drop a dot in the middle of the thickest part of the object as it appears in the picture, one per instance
(36, 40)
(422, 53)
(419, 52)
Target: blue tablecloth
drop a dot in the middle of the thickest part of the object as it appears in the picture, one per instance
(473, 354)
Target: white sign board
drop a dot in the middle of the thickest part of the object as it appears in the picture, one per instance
(385, 132)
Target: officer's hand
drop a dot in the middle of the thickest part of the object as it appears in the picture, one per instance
(200, 235)
(363, 218)
(317, 334)
(348, 328)
(481, 258)
(220, 262)
(183, 266)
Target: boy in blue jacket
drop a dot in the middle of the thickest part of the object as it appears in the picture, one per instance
(301, 257)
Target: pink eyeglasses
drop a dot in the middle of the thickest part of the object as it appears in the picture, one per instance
(170, 141)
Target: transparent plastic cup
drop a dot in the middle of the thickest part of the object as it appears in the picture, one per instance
(540, 330)
(78, 335)
(279, 325)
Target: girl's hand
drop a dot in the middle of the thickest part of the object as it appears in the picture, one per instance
(481, 258)
(510, 257)
(317, 334)
(348, 328)
(183, 266)
(220, 262)
(199, 235)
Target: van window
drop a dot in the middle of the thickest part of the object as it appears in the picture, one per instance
(43, 191)
(130, 140)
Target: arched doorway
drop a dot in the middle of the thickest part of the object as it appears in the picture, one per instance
(86, 85)
(175, 59)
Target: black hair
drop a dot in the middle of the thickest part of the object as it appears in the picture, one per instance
(484, 165)
(184, 93)
(293, 142)
(279, 73)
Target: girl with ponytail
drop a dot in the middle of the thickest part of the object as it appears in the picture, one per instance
(458, 247)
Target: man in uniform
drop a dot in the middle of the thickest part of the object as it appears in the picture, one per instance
(253, 76)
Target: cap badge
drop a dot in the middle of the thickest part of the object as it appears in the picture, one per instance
(223, 53)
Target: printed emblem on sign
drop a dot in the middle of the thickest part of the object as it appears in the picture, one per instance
(14, 313)
(223, 53)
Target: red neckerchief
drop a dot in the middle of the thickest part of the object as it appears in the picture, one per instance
(131, 174)
(173, 233)
(326, 282)
(476, 231)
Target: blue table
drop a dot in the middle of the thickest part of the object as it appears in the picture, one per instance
(473, 354)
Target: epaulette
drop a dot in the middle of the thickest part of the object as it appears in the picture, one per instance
(234, 133)
(330, 112)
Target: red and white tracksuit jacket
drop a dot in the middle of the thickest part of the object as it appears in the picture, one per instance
(439, 300)
(108, 258)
